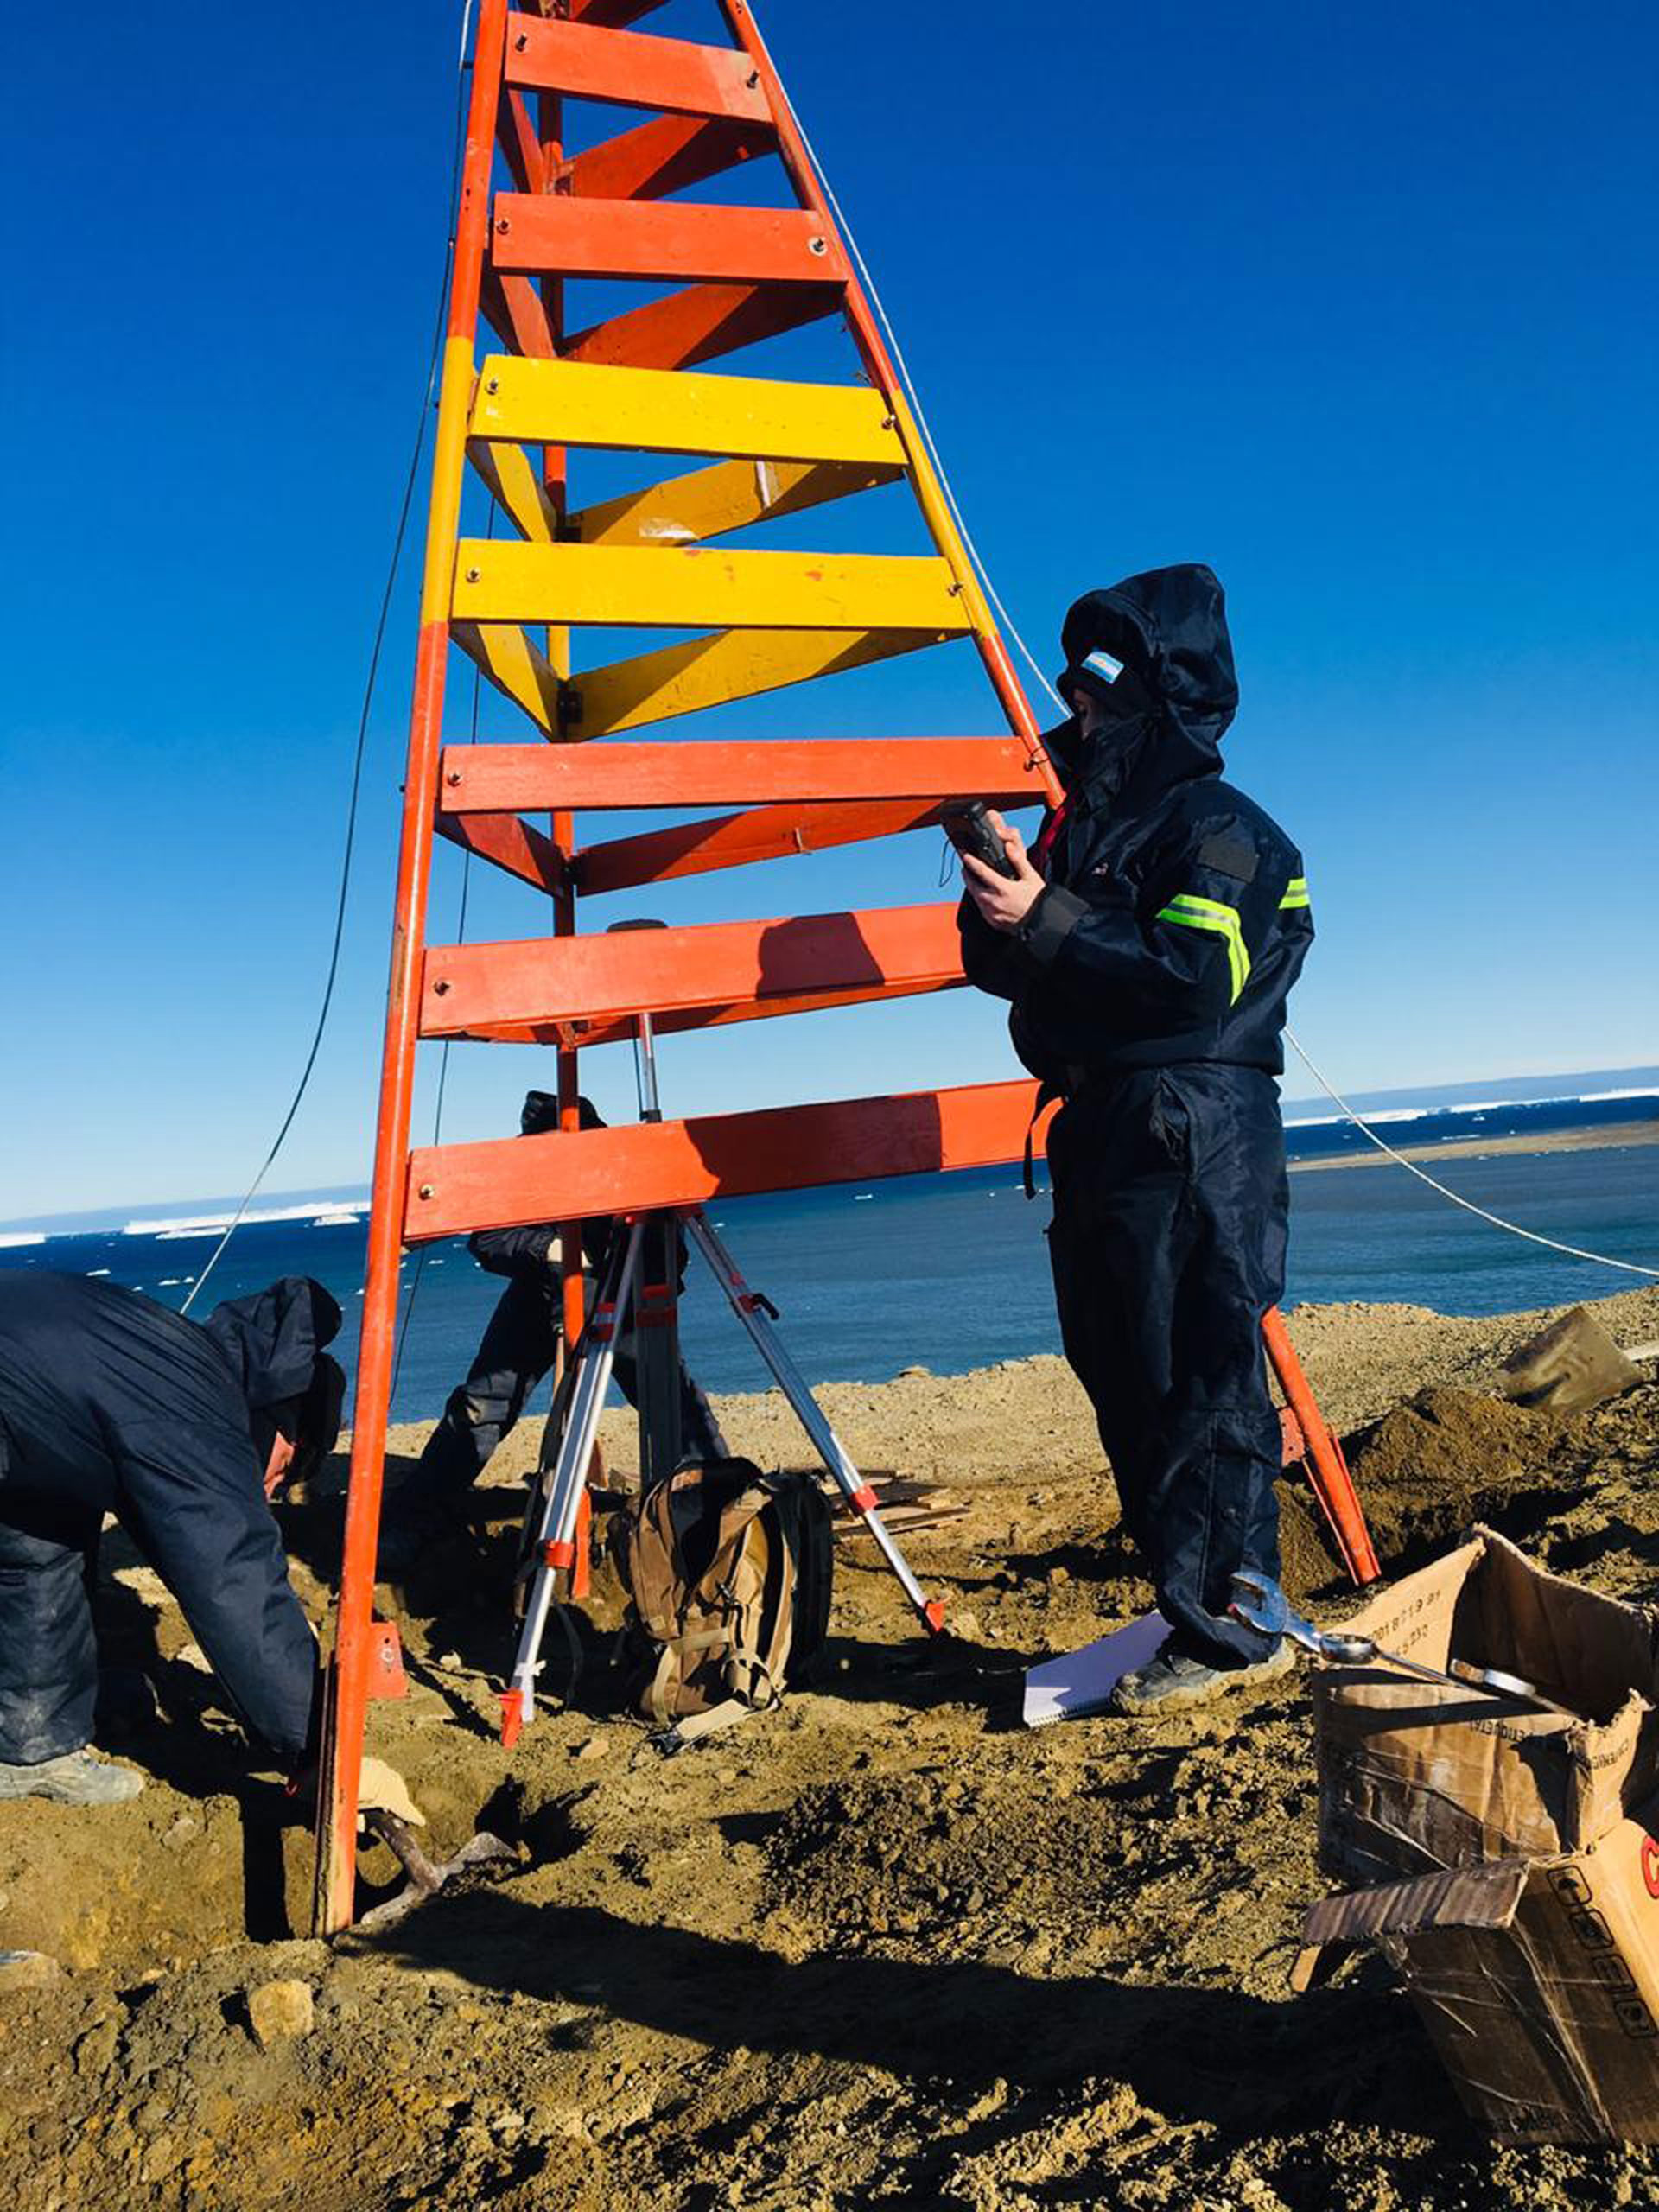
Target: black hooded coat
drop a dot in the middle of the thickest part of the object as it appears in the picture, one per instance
(1176, 916)
(112, 1403)
(1148, 982)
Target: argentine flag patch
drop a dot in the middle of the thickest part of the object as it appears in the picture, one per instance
(1102, 665)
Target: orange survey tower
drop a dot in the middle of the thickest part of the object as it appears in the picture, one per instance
(685, 554)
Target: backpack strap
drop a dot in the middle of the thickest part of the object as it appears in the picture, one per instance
(696, 1725)
(751, 1580)
(672, 1668)
(755, 1682)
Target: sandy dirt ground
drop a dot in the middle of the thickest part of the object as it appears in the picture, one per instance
(879, 1947)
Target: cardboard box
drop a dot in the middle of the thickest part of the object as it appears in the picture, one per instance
(1415, 1778)
(1538, 1981)
(1527, 1928)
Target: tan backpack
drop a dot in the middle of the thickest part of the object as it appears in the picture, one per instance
(728, 1572)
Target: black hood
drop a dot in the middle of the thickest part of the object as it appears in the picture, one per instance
(1167, 629)
(539, 1115)
(272, 1339)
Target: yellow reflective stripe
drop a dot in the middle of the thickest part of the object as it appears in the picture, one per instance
(1196, 913)
(1295, 893)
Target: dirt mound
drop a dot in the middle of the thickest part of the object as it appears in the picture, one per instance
(1455, 1440)
(1431, 1469)
(1426, 1473)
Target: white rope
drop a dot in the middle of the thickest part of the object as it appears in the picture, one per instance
(1572, 1251)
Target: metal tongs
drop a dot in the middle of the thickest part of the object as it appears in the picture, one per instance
(1261, 1605)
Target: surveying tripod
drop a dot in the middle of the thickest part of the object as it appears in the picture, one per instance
(641, 1273)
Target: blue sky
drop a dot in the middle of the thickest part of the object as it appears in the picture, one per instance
(1354, 304)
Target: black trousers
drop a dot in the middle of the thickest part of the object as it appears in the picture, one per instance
(49, 1654)
(515, 1352)
(1167, 1247)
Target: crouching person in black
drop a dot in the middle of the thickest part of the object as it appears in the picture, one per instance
(1147, 943)
(519, 1344)
(110, 1403)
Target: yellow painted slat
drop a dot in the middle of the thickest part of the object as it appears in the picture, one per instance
(681, 679)
(702, 587)
(510, 475)
(506, 656)
(689, 510)
(678, 410)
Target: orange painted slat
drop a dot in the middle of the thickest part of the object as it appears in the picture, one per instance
(586, 1035)
(469, 988)
(512, 1181)
(497, 778)
(665, 240)
(722, 1017)
(697, 325)
(633, 69)
(515, 133)
(764, 833)
(664, 157)
(514, 310)
(509, 843)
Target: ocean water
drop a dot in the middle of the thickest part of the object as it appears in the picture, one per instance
(950, 1272)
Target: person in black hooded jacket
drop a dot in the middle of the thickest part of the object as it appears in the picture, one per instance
(112, 1403)
(1147, 945)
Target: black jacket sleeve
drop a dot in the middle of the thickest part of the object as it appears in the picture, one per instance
(990, 958)
(515, 1251)
(1179, 950)
(191, 1493)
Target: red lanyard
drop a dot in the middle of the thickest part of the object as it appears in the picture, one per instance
(1044, 844)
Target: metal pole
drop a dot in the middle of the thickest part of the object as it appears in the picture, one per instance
(644, 1072)
(656, 1305)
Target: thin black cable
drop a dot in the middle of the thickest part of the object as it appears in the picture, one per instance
(363, 719)
(443, 1059)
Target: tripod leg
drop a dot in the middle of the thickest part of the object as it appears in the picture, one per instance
(752, 1313)
(656, 1335)
(554, 1545)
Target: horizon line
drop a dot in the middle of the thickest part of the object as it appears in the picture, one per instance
(212, 1213)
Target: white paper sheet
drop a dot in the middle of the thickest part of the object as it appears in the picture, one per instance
(1084, 1680)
